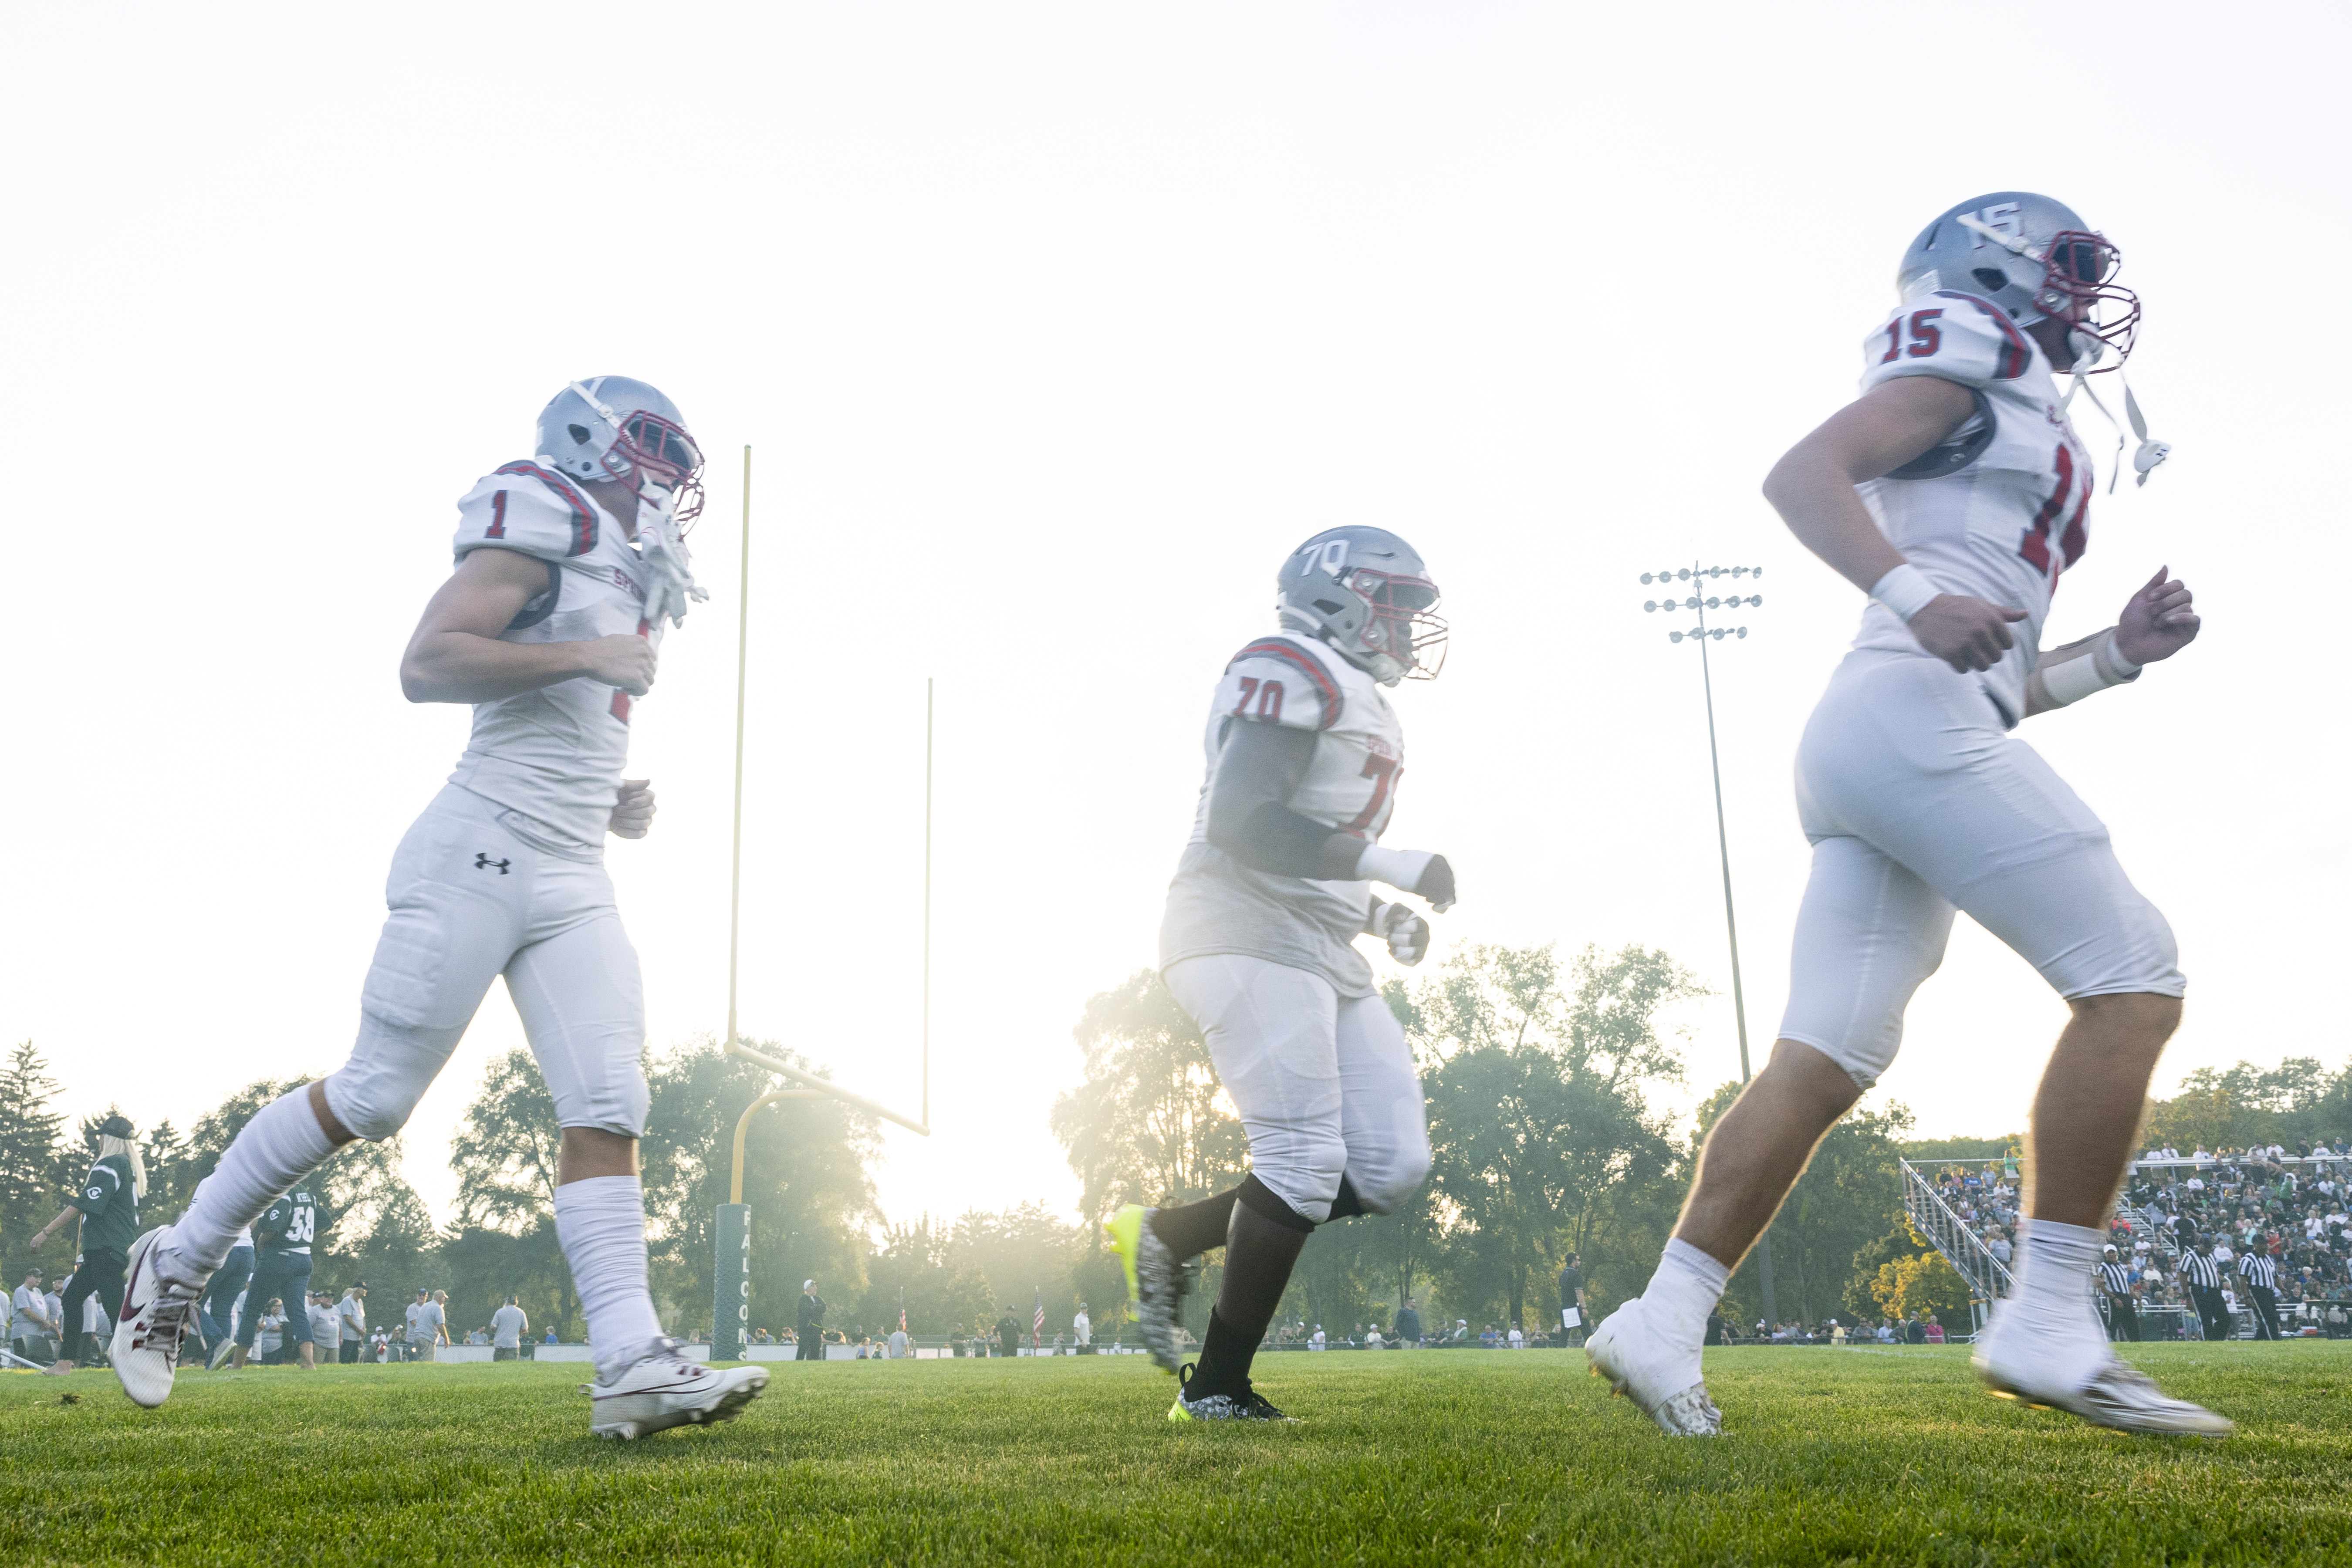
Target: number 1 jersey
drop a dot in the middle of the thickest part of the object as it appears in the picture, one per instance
(555, 754)
(2002, 505)
(1216, 904)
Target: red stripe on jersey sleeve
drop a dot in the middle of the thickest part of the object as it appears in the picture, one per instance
(1273, 647)
(2016, 353)
(584, 516)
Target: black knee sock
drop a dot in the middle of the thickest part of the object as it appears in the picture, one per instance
(1259, 1253)
(1192, 1229)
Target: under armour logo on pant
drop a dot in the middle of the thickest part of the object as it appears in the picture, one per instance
(482, 862)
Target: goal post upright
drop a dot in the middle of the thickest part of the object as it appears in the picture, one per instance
(730, 1284)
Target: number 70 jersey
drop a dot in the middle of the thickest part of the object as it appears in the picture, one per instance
(1300, 683)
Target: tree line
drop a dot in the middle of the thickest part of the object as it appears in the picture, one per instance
(1547, 1082)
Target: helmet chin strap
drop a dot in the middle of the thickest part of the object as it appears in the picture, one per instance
(2149, 454)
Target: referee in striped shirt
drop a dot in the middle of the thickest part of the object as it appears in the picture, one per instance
(2203, 1278)
(2259, 1270)
(2123, 1317)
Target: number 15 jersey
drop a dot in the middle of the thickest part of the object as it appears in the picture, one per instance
(1216, 904)
(2002, 505)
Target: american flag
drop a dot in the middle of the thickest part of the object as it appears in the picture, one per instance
(1037, 1323)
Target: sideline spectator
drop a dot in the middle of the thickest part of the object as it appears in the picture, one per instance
(216, 1318)
(30, 1328)
(414, 1310)
(1008, 1334)
(1571, 1302)
(1083, 1327)
(1714, 1326)
(352, 1311)
(1407, 1326)
(509, 1324)
(900, 1344)
(326, 1326)
(812, 1322)
(107, 1203)
(268, 1334)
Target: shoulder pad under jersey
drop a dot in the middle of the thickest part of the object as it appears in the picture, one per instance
(529, 507)
(1951, 335)
(1281, 680)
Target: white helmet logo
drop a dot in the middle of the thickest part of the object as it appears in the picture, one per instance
(2000, 219)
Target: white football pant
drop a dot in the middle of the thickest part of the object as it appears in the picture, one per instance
(473, 898)
(1325, 1088)
(1917, 802)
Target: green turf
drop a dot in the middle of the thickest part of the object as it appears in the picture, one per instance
(1425, 1457)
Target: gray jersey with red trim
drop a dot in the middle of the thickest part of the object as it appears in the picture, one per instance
(2002, 506)
(1217, 905)
(555, 754)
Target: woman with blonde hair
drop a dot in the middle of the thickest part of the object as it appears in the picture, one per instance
(107, 1203)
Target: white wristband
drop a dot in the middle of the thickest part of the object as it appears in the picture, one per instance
(1905, 591)
(1400, 868)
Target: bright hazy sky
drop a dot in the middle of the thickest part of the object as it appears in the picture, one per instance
(1054, 329)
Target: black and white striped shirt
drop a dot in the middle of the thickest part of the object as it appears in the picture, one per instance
(2116, 1278)
(2199, 1272)
(2258, 1271)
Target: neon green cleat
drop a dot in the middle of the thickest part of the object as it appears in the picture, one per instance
(1155, 1279)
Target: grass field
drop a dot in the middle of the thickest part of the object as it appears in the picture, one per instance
(1835, 1456)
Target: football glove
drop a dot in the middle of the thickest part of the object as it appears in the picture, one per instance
(1405, 931)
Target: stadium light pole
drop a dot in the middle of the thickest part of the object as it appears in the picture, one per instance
(1698, 579)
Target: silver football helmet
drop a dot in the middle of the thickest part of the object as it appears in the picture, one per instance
(610, 427)
(2036, 260)
(1365, 592)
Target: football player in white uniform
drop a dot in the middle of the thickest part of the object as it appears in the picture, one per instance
(570, 567)
(1954, 492)
(1304, 757)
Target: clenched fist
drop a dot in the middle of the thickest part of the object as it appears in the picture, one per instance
(633, 812)
(620, 661)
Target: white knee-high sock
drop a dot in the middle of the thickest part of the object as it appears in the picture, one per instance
(1686, 1288)
(2051, 1296)
(602, 1224)
(277, 1149)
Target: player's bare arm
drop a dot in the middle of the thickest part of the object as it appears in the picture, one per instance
(1812, 488)
(456, 655)
(1250, 819)
(2157, 622)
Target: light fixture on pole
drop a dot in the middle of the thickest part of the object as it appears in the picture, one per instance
(1699, 598)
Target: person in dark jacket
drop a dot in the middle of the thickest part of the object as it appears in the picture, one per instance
(812, 1322)
(1008, 1334)
(1407, 1328)
(1571, 1300)
(107, 1203)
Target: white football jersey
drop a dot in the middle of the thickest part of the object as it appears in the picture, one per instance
(1298, 682)
(2002, 506)
(1217, 905)
(555, 754)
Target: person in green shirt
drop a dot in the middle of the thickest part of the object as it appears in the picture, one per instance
(281, 1267)
(107, 1203)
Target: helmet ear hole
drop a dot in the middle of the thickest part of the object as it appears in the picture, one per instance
(1991, 277)
(578, 432)
(1327, 606)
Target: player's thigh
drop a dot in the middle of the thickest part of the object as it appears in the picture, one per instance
(1383, 1111)
(1869, 933)
(2006, 840)
(458, 899)
(583, 1009)
(1273, 1033)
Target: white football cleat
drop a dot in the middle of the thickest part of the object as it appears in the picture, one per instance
(2117, 1394)
(1660, 1378)
(155, 1316)
(662, 1389)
